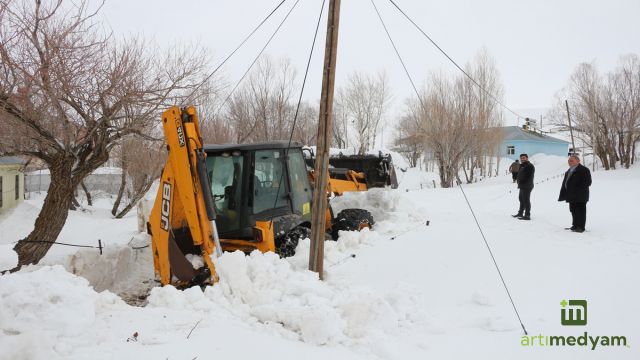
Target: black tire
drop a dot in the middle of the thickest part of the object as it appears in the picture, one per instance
(286, 246)
(351, 220)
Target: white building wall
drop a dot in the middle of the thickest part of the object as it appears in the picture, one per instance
(8, 174)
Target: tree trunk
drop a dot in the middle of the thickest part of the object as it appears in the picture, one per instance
(52, 217)
(135, 200)
(466, 176)
(74, 202)
(123, 185)
(86, 193)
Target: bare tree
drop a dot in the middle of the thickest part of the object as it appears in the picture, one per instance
(262, 108)
(266, 106)
(65, 88)
(444, 116)
(340, 125)
(605, 110)
(585, 95)
(408, 140)
(306, 127)
(486, 114)
(364, 101)
(141, 163)
(622, 107)
(458, 120)
(208, 99)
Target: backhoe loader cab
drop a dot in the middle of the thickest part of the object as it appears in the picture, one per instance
(260, 193)
(262, 197)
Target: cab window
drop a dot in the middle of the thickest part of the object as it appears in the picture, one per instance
(300, 188)
(269, 185)
(225, 174)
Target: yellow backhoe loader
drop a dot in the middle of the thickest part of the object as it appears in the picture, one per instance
(215, 198)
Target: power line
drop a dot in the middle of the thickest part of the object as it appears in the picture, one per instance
(406, 71)
(295, 117)
(255, 60)
(306, 72)
(236, 49)
(460, 185)
(493, 258)
(100, 246)
(453, 61)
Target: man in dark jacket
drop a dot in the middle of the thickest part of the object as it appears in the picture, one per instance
(525, 184)
(575, 191)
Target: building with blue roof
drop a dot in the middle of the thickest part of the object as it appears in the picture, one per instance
(518, 140)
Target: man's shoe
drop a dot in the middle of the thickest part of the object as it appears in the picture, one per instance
(526, 217)
(517, 215)
(578, 230)
(570, 228)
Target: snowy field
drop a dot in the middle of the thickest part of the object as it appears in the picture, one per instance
(404, 290)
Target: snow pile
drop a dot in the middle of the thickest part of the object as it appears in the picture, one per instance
(8, 257)
(548, 166)
(417, 179)
(268, 293)
(391, 211)
(120, 268)
(41, 306)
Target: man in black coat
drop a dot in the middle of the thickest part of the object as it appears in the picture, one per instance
(525, 184)
(575, 191)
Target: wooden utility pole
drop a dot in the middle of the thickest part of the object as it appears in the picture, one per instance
(573, 145)
(319, 206)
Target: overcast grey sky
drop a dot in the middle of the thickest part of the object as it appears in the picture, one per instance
(536, 44)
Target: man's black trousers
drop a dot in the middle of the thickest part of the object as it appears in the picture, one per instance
(525, 202)
(578, 213)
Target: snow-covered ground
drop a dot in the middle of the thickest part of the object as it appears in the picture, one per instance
(404, 290)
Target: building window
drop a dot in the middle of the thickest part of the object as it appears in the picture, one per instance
(17, 187)
(511, 150)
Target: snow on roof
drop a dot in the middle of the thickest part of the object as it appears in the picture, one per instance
(12, 160)
(516, 133)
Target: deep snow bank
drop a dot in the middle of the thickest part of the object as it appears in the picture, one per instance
(41, 305)
(126, 270)
(268, 293)
(8, 257)
(391, 211)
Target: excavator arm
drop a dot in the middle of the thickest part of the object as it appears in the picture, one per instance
(182, 222)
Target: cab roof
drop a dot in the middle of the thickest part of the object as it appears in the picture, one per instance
(279, 144)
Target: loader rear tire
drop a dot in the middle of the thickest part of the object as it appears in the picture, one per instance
(351, 220)
(287, 245)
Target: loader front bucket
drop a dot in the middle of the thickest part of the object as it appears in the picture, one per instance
(379, 170)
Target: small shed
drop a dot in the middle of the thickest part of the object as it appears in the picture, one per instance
(11, 181)
(518, 141)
